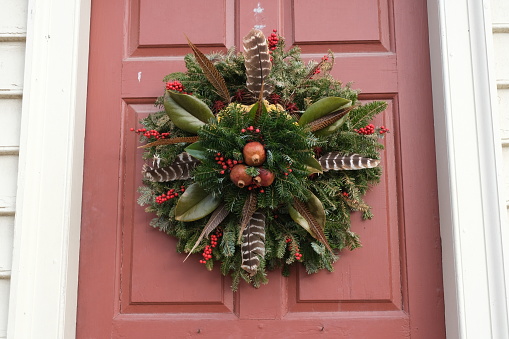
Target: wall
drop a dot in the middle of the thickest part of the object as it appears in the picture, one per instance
(500, 18)
(13, 17)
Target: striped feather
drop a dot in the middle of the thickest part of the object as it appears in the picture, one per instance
(253, 244)
(247, 212)
(180, 169)
(336, 161)
(257, 62)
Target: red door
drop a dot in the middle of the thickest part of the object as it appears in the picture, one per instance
(133, 284)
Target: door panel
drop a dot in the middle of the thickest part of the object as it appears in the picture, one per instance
(133, 284)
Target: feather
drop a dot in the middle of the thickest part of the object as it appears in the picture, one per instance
(217, 217)
(336, 161)
(171, 141)
(313, 224)
(329, 119)
(247, 212)
(211, 72)
(257, 62)
(180, 169)
(253, 244)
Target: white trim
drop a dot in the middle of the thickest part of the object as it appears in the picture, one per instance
(48, 216)
(472, 211)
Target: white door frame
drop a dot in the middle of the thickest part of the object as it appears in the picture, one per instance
(46, 246)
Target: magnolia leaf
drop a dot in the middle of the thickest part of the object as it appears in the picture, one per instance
(195, 203)
(197, 150)
(312, 165)
(186, 112)
(323, 107)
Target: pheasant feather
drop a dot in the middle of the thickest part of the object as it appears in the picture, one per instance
(180, 169)
(217, 217)
(336, 161)
(257, 62)
(329, 119)
(313, 224)
(253, 244)
(171, 141)
(210, 71)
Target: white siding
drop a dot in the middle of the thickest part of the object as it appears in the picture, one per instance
(13, 17)
(500, 17)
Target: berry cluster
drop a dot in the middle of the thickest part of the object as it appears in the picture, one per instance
(214, 241)
(345, 194)
(288, 171)
(151, 133)
(318, 70)
(175, 86)
(383, 130)
(255, 186)
(273, 40)
(207, 254)
(366, 130)
(298, 255)
(250, 129)
(226, 164)
(169, 195)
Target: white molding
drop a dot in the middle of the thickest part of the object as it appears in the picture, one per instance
(500, 28)
(503, 84)
(472, 211)
(48, 215)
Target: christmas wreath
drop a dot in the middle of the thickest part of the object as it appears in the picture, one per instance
(258, 159)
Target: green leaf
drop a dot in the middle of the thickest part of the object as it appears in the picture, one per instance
(323, 107)
(332, 128)
(186, 112)
(197, 150)
(315, 207)
(312, 165)
(195, 203)
(252, 111)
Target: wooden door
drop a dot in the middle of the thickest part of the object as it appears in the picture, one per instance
(133, 284)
